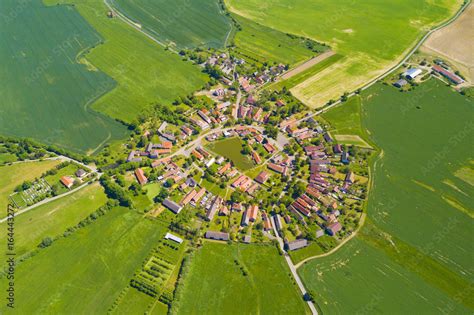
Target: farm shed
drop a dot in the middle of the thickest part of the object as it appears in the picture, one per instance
(220, 236)
(412, 73)
(294, 245)
(172, 237)
(400, 83)
(173, 206)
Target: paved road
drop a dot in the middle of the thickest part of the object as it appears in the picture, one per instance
(293, 269)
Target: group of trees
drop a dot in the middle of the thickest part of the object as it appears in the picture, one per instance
(115, 191)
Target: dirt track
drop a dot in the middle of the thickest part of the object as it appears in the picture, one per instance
(308, 64)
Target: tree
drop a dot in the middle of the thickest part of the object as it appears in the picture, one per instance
(162, 195)
(271, 131)
(47, 241)
(236, 196)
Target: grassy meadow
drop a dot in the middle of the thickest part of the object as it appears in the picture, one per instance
(47, 97)
(180, 23)
(15, 174)
(144, 72)
(230, 148)
(87, 270)
(53, 218)
(371, 35)
(215, 284)
(345, 123)
(420, 215)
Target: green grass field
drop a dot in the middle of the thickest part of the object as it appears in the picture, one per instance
(216, 285)
(53, 218)
(345, 123)
(7, 158)
(144, 72)
(85, 272)
(230, 148)
(184, 24)
(371, 35)
(418, 157)
(344, 119)
(382, 285)
(46, 98)
(14, 175)
(134, 302)
(265, 44)
(420, 212)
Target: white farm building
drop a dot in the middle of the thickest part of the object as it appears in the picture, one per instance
(412, 73)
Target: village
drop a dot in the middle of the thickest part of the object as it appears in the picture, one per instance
(245, 167)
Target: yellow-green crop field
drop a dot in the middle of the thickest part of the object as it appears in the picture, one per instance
(371, 35)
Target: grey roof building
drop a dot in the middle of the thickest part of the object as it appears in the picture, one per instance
(400, 83)
(173, 206)
(297, 244)
(221, 236)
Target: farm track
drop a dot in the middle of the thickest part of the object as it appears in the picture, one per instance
(125, 19)
(307, 64)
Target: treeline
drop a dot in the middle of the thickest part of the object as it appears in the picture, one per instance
(29, 144)
(178, 291)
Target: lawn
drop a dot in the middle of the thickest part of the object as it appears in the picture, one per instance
(185, 24)
(419, 211)
(85, 272)
(216, 285)
(68, 170)
(46, 98)
(361, 31)
(14, 175)
(144, 72)
(53, 218)
(230, 148)
(265, 44)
